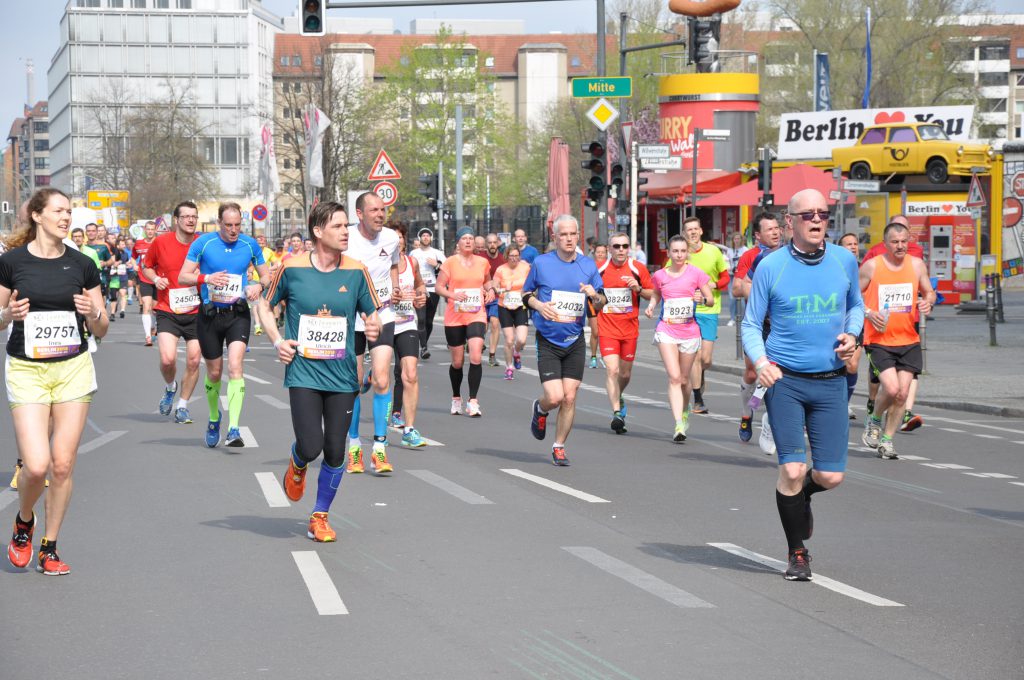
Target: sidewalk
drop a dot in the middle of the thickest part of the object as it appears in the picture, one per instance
(962, 371)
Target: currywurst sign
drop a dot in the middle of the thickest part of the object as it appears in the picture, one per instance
(815, 134)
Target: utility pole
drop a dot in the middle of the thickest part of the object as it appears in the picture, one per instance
(458, 166)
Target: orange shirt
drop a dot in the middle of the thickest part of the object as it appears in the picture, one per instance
(511, 279)
(898, 290)
(466, 279)
(615, 321)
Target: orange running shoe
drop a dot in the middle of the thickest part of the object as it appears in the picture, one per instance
(47, 561)
(379, 459)
(19, 552)
(319, 530)
(355, 460)
(295, 480)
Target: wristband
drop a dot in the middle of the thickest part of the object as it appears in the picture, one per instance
(762, 366)
(277, 343)
(99, 313)
(201, 279)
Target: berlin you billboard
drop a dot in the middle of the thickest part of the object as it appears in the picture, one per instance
(814, 134)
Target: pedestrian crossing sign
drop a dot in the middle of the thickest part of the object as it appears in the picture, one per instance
(383, 168)
(976, 197)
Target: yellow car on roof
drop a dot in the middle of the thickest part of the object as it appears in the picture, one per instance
(910, 149)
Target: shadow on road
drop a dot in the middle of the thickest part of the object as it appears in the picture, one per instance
(703, 554)
(517, 456)
(272, 527)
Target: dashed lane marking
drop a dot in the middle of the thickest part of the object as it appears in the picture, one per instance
(100, 441)
(913, 458)
(990, 475)
(987, 436)
(951, 429)
(250, 441)
(448, 486)
(639, 578)
(973, 424)
(7, 496)
(823, 581)
(321, 589)
(429, 442)
(272, 490)
(273, 401)
(562, 488)
(947, 466)
(258, 381)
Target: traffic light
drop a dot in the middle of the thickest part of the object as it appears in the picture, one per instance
(615, 181)
(596, 185)
(703, 44)
(312, 14)
(428, 188)
(640, 193)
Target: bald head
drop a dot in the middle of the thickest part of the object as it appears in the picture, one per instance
(801, 200)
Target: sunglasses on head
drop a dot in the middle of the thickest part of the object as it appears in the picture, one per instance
(808, 215)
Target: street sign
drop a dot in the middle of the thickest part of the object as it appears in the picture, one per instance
(976, 197)
(834, 195)
(5, 207)
(670, 163)
(647, 151)
(1012, 209)
(259, 212)
(715, 135)
(868, 185)
(387, 192)
(602, 87)
(602, 114)
(383, 168)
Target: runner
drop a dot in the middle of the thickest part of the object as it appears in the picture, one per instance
(708, 258)
(133, 271)
(492, 253)
(51, 293)
(146, 289)
(177, 309)
(218, 262)
(410, 295)
(892, 284)
(429, 259)
(677, 334)
(809, 292)
(326, 292)
(557, 289)
(512, 314)
(733, 252)
(526, 252)
(626, 282)
(600, 255)
(377, 248)
(96, 238)
(465, 281)
(850, 242)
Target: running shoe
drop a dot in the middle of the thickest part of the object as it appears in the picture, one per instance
(19, 552)
(355, 459)
(365, 387)
(122, 315)
(425, 354)
(872, 433)
(622, 406)
(698, 407)
(850, 414)
(871, 406)
(294, 479)
(397, 420)
(319, 530)
(413, 440)
(182, 416)
(799, 565)
(149, 343)
(510, 374)
(258, 330)
(213, 433)
(48, 563)
(886, 450)
(558, 456)
(766, 441)
(593, 362)
(600, 362)
(618, 422)
(234, 439)
(473, 409)
(492, 360)
(517, 361)
(168, 400)
(379, 459)
(17, 473)
(746, 428)
(679, 435)
(911, 422)
(732, 322)
(456, 405)
(538, 421)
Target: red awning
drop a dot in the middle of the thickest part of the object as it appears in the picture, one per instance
(676, 186)
(785, 183)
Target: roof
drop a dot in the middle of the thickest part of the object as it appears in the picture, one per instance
(16, 128)
(40, 110)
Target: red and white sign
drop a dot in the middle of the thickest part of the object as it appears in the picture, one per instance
(259, 212)
(975, 196)
(1012, 209)
(387, 192)
(1017, 185)
(383, 168)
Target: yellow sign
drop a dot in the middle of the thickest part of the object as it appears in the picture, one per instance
(118, 201)
(602, 113)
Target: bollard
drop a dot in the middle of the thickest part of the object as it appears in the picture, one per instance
(740, 310)
(990, 309)
(1000, 317)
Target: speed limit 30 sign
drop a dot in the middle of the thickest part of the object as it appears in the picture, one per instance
(387, 192)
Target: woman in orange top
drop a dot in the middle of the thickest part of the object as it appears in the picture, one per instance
(465, 281)
(512, 313)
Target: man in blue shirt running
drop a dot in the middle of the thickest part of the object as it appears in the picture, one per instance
(810, 292)
(219, 262)
(557, 290)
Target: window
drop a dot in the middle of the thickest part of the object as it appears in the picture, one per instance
(287, 163)
(207, 149)
(874, 136)
(1020, 52)
(162, 4)
(287, 113)
(40, 126)
(489, 62)
(287, 213)
(318, 60)
(992, 79)
(994, 52)
(88, 3)
(42, 163)
(902, 135)
(115, 3)
(287, 138)
(296, 60)
(229, 151)
(285, 61)
(138, 4)
(184, 4)
(987, 106)
(42, 180)
(575, 62)
(44, 144)
(1020, 80)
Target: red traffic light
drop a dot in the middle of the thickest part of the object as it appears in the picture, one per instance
(595, 149)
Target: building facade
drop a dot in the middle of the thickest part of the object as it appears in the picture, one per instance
(27, 156)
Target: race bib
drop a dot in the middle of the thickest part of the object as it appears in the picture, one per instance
(228, 293)
(183, 300)
(569, 306)
(383, 289)
(513, 299)
(122, 269)
(620, 301)
(322, 337)
(474, 298)
(49, 335)
(404, 310)
(899, 296)
(678, 310)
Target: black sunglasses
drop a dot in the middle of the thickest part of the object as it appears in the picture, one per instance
(809, 215)
(619, 246)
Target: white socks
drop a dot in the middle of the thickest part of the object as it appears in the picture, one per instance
(746, 391)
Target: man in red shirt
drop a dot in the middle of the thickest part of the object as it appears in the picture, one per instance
(146, 290)
(177, 308)
(492, 253)
(626, 281)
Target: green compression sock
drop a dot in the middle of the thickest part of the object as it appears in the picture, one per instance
(213, 399)
(236, 395)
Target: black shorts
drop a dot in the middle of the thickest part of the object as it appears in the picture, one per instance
(510, 318)
(146, 289)
(178, 325)
(906, 358)
(457, 336)
(112, 294)
(407, 344)
(223, 326)
(385, 339)
(556, 363)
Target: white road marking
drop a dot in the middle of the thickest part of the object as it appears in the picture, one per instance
(987, 436)
(272, 490)
(7, 496)
(951, 429)
(258, 381)
(582, 495)
(913, 457)
(639, 578)
(1015, 483)
(250, 441)
(318, 582)
(991, 475)
(973, 424)
(223, 403)
(824, 581)
(947, 466)
(273, 401)
(430, 442)
(102, 440)
(1018, 442)
(448, 486)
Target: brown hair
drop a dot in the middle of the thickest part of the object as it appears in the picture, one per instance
(400, 227)
(36, 204)
(320, 215)
(224, 207)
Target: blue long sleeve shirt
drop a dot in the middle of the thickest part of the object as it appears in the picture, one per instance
(808, 306)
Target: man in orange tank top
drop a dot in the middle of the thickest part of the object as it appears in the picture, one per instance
(893, 284)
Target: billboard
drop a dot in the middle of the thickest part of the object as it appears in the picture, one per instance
(117, 201)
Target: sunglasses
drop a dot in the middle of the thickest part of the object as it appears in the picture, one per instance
(809, 215)
(619, 246)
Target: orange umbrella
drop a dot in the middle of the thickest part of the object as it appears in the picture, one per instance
(558, 179)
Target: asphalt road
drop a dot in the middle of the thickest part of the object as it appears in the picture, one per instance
(651, 560)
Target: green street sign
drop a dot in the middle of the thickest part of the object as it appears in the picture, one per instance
(602, 87)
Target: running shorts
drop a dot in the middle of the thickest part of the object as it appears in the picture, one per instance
(510, 318)
(457, 336)
(820, 404)
(685, 345)
(624, 348)
(147, 289)
(385, 339)
(557, 363)
(407, 344)
(223, 326)
(904, 358)
(50, 382)
(178, 325)
(708, 324)
(492, 311)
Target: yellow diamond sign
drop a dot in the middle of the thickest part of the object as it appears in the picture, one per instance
(602, 114)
